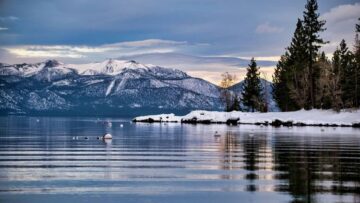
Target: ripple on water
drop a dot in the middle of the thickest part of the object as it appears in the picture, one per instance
(176, 162)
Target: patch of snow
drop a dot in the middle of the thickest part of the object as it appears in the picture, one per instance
(157, 84)
(122, 84)
(30, 70)
(62, 83)
(91, 82)
(135, 105)
(108, 90)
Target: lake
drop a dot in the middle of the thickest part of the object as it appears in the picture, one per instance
(52, 159)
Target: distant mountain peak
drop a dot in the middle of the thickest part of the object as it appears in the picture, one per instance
(52, 63)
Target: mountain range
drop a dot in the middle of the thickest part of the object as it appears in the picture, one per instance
(108, 88)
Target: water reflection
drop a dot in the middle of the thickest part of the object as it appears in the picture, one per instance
(174, 162)
(321, 165)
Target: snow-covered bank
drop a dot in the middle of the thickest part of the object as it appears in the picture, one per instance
(300, 118)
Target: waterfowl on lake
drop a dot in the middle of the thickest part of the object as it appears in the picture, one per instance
(107, 136)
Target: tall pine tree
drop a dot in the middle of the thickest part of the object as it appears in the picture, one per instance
(252, 93)
(312, 27)
(357, 65)
(324, 97)
(335, 85)
(347, 75)
(297, 63)
(281, 92)
(291, 73)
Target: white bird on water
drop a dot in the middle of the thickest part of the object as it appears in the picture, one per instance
(107, 136)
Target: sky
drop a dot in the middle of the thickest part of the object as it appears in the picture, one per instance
(202, 37)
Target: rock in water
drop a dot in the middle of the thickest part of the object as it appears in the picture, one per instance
(107, 136)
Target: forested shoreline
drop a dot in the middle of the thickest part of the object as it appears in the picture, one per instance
(304, 77)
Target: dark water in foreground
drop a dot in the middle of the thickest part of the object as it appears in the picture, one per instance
(41, 161)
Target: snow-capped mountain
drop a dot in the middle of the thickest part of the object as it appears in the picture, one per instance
(111, 87)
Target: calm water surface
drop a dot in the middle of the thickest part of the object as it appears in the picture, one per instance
(49, 160)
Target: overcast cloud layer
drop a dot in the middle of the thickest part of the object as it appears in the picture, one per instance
(85, 31)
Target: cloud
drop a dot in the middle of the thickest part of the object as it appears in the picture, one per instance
(263, 58)
(148, 43)
(100, 52)
(43, 52)
(3, 28)
(8, 18)
(340, 24)
(267, 28)
(342, 13)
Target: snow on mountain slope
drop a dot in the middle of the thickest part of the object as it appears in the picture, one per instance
(197, 85)
(110, 87)
(108, 67)
(29, 70)
(25, 70)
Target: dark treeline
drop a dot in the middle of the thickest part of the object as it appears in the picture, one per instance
(306, 78)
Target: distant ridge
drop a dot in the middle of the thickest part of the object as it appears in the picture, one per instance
(108, 88)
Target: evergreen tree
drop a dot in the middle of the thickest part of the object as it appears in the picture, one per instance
(324, 96)
(236, 104)
(291, 78)
(335, 88)
(298, 84)
(357, 65)
(347, 75)
(280, 87)
(312, 27)
(252, 93)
